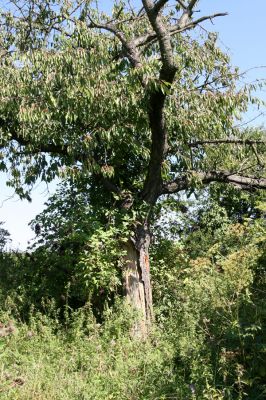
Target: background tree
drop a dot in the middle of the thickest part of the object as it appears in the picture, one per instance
(4, 237)
(131, 104)
(208, 292)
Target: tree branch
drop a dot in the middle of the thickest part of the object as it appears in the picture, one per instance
(184, 20)
(130, 47)
(191, 5)
(183, 182)
(225, 141)
(192, 24)
(159, 140)
(181, 3)
(159, 5)
(40, 147)
(58, 150)
(177, 28)
(162, 34)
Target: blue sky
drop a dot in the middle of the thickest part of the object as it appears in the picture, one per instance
(242, 33)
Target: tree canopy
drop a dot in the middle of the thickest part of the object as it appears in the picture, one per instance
(132, 101)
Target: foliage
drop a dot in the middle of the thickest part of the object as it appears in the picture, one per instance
(4, 237)
(71, 228)
(208, 290)
(83, 108)
(209, 339)
(76, 257)
(86, 361)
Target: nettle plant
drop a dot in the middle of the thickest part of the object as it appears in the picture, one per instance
(138, 104)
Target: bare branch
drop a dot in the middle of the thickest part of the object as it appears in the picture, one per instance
(185, 18)
(244, 182)
(132, 18)
(151, 36)
(250, 120)
(186, 24)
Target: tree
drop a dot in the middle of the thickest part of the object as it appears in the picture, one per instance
(131, 104)
(4, 237)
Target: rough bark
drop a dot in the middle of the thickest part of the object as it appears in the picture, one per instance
(137, 284)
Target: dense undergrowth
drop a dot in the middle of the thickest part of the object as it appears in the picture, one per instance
(208, 341)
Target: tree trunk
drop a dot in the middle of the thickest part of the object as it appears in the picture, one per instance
(137, 284)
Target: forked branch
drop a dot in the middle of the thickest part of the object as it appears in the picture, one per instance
(129, 46)
(162, 34)
(176, 28)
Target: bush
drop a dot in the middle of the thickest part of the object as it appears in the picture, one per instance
(212, 310)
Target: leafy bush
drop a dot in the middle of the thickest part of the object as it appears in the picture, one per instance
(211, 308)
